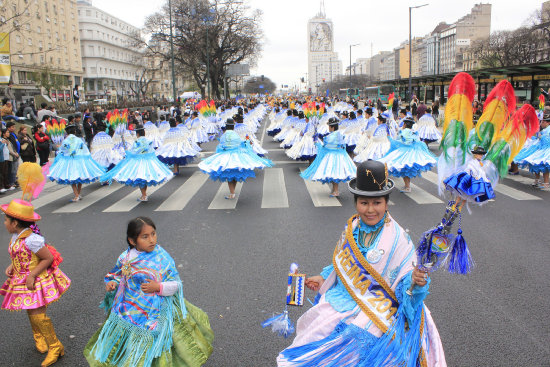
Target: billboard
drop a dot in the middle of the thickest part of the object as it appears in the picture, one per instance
(5, 65)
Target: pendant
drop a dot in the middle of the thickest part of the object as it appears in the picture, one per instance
(374, 255)
(126, 269)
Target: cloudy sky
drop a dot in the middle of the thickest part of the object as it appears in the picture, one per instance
(380, 24)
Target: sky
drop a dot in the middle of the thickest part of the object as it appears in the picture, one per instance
(376, 25)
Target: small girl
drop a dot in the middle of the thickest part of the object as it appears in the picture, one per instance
(149, 322)
(34, 280)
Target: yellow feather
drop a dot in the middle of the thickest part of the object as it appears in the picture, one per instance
(459, 108)
(496, 114)
(29, 176)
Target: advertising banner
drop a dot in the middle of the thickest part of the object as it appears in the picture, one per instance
(5, 65)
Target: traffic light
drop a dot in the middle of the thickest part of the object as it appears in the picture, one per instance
(323, 80)
(262, 78)
(302, 79)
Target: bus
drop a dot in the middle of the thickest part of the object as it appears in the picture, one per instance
(351, 92)
(379, 92)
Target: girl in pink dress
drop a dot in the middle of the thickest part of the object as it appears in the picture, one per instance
(34, 280)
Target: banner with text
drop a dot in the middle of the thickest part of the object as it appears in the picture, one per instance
(5, 65)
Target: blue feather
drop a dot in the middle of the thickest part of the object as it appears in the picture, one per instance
(280, 324)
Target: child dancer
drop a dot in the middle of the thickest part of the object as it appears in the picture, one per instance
(149, 323)
(234, 160)
(140, 167)
(34, 279)
(74, 164)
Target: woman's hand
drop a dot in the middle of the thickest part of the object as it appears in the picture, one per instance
(29, 282)
(315, 282)
(150, 286)
(9, 271)
(420, 277)
(111, 286)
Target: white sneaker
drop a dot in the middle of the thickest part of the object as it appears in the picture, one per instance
(544, 187)
(11, 188)
(3, 191)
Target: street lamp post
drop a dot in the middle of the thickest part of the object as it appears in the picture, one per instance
(172, 52)
(410, 48)
(350, 46)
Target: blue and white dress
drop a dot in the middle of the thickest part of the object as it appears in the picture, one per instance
(539, 160)
(103, 150)
(408, 156)
(176, 148)
(140, 167)
(377, 146)
(234, 160)
(305, 149)
(471, 183)
(332, 163)
(74, 163)
(427, 129)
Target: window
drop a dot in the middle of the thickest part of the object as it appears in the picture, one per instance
(73, 28)
(88, 13)
(29, 41)
(18, 38)
(64, 37)
(91, 50)
(63, 23)
(38, 29)
(42, 58)
(40, 45)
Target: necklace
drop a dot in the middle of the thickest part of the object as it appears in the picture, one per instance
(367, 237)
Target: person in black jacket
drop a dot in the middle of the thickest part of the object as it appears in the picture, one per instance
(89, 129)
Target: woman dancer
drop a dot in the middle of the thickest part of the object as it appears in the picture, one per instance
(234, 160)
(332, 164)
(408, 157)
(176, 149)
(379, 144)
(140, 167)
(74, 164)
(370, 309)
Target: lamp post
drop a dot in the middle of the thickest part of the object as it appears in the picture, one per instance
(172, 53)
(350, 46)
(410, 47)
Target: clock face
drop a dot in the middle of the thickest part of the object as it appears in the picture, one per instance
(320, 37)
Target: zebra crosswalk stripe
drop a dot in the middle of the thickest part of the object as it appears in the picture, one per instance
(179, 198)
(17, 194)
(274, 190)
(64, 191)
(514, 193)
(319, 194)
(130, 201)
(422, 197)
(89, 199)
(220, 202)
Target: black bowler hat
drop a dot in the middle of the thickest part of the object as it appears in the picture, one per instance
(333, 121)
(230, 122)
(408, 120)
(345, 113)
(479, 150)
(369, 110)
(372, 179)
(546, 117)
(301, 114)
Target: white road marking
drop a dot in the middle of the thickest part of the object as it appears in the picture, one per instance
(320, 193)
(274, 191)
(220, 202)
(130, 201)
(179, 199)
(89, 199)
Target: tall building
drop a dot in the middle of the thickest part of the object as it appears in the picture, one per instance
(111, 63)
(323, 63)
(44, 47)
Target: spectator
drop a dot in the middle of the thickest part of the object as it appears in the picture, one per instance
(421, 110)
(43, 111)
(76, 97)
(414, 106)
(89, 130)
(6, 110)
(78, 124)
(4, 156)
(435, 109)
(42, 144)
(11, 156)
(28, 152)
(45, 121)
(11, 96)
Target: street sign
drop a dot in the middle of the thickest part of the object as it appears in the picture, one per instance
(261, 86)
(238, 70)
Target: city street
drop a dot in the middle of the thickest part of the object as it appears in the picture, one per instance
(233, 257)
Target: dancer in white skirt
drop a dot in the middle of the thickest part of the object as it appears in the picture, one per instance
(426, 128)
(379, 144)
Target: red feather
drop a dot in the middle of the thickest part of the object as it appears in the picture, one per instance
(528, 116)
(463, 83)
(505, 92)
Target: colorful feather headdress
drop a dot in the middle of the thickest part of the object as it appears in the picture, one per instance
(56, 130)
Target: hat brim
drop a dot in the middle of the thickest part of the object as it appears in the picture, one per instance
(35, 217)
(352, 187)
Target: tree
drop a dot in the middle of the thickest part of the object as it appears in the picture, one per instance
(48, 80)
(257, 85)
(360, 81)
(142, 83)
(209, 35)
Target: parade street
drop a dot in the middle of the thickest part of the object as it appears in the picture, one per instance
(234, 258)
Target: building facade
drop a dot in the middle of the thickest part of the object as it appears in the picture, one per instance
(44, 47)
(323, 63)
(110, 60)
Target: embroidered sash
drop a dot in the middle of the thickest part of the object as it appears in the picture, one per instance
(366, 286)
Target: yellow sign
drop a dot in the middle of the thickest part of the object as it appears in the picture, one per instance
(5, 65)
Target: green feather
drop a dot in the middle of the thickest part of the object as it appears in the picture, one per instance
(499, 154)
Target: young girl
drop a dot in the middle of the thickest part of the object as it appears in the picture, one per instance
(149, 322)
(34, 280)
(140, 167)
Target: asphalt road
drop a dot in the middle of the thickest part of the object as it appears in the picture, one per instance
(234, 265)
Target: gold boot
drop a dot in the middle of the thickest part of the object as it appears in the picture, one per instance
(55, 348)
(39, 339)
